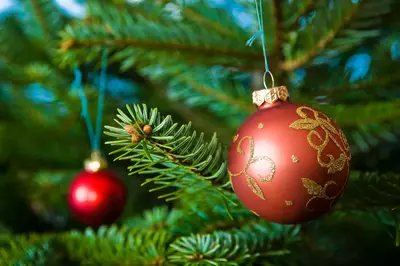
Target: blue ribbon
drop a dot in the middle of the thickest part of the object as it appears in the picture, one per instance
(94, 135)
(260, 32)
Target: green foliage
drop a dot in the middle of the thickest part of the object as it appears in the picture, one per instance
(173, 153)
(125, 246)
(342, 26)
(138, 39)
(372, 191)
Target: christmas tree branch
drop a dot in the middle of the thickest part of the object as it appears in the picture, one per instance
(124, 246)
(40, 15)
(140, 39)
(158, 146)
(13, 43)
(279, 32)
(236, 246)
(322, 43)
(368, 191)
(44, 18)
(216, 89)
(346, 28)
(303, 8)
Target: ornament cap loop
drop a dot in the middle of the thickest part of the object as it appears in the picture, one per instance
(270, 96)
(272, 78)
(95, 163)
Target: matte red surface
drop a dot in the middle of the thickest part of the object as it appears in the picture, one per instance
(97, 198)
(279, 142)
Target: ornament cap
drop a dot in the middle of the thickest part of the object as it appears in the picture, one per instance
(270, 96)
(95, 163)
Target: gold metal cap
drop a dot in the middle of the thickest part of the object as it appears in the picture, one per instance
(95, 163)
(270, 96)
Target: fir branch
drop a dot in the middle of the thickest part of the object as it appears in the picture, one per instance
(143, 38)
(302, 9)
(158, 218)
(345, 30)
(215, 19)
(13, 43)
(174, 154)
(323, 42)
(234, 247)
(374, 112)
(208, 214)
(107, 246)
(279, 30)
(125, 246)
(215, 89)
(43, 18)
(368, 191)
(40, 16)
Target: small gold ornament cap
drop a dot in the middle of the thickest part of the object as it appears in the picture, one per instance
(95, 163)
(270, 96)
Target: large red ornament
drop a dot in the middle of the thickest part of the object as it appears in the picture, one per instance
(96, 196)
(288, 163)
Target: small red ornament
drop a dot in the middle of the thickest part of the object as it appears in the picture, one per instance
(96, 196)
(288, 163)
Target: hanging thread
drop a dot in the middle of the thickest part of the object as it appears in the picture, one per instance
(94, 134)
(260, 20)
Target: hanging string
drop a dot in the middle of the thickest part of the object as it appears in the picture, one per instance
(100, 103)
(94, 135)
(260, 20)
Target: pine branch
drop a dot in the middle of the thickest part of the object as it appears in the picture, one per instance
(107, 246)
(201, 13)
(322, 42)
(368, 191)
(234, 247)
(295, 10)
(374, 112)
(125, 246)
(172, 153)
(216, 89)
(40, 16)
(14, 43)
(139, 39)
(348, 27)
(277, 11)
(43, 18)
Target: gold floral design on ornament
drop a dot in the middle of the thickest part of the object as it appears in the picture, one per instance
(289, 203)
(235, 138)
(317, 191)
(325, 124)
(251, 181)
(255, 213)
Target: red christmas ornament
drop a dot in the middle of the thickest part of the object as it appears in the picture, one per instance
(288, 163)
(96, 196)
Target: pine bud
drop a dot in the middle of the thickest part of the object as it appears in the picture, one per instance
(147, 129)
(65, 45)
(135, 138)
(129, 129)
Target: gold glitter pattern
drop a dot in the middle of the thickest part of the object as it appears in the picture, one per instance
(251, 181)
(270, 96)
(325, 124)
(235, 138)
(260, 125)
(289, 203)
(255, 213)
(295, 159)
(317, 191)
